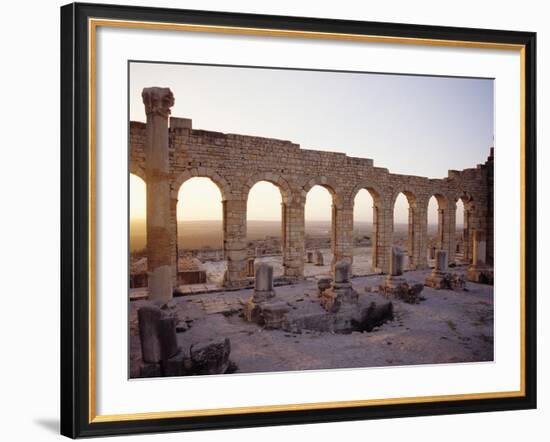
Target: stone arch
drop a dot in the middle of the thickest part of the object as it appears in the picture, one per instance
(373, 189)
(201, 172)
(414, 233)
(377, 221)
(329, 184)
(137, 170)
(468, 223)
(411, 196)
(273, 178)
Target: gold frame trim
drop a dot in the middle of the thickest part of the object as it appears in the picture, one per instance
(93, 24)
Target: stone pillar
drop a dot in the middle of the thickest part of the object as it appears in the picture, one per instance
(309, 259)
(157, 333)
(467, 251)
(263, 284)
(441, 261)
(479, 248)
(441, 227)
(375, 239)
(158, 102)
(250, 268)
(294, 250)
(385, 236)
(174, 237)
(343, 236)
(410, 238)
(451, 239)
(397, 262)
(421, 237)
(234, 242)
(319, 260)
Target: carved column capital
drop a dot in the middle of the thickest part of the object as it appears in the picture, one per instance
(157, 100)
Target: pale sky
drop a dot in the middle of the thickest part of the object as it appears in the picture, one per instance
(409, 124)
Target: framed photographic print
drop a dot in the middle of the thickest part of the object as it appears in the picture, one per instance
(274, 220)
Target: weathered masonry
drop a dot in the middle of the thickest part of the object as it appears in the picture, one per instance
(167, 151)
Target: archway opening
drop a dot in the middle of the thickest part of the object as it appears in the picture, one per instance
(364, 232)
(460, 235)
(319, 235)
(264, 227)
(435, 228)
(200, 251)
(403, 226)
(138, 232)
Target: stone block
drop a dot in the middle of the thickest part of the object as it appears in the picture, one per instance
(210, 357)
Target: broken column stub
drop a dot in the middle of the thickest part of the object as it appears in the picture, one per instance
(440, 278)
(263, 283)
(441, 261)
(479, 271)
(157, 333)
(319, 260)
(395, 284)
(263, 307)
(340, 291)
(157, 102)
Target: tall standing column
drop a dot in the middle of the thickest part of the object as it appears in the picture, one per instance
(158, 102)
(343, 235)
(375, 238)
(385, 236)
(466, 236)
(411, 240)
(294, 249)
(421, 236)
(450, 232)
(235, 250)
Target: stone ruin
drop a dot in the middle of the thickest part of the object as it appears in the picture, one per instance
(338, 307)
(340, 292)
(395, 284)
(479, 271)
(163, 352)
(440, 278)
(166, 151)
(319, 259)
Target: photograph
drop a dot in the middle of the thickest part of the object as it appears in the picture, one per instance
(287, 219)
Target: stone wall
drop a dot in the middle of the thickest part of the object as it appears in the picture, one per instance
(236, 162)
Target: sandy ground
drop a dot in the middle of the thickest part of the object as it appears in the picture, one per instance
(447, 327)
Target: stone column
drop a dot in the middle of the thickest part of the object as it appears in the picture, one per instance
(441, 227)
(440, 261)
(467, 250)
(158, 102)
(397, 262)
(385, 236)
(451, 242)
(479, 248)
(295, 239)
(450, 232)
(174, 237)
(263, 283)
(411, 238)
(234, 242)
(421, 236)
(343, 235)
(375, 238)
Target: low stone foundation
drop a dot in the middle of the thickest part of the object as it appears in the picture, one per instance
(445, 281)
(481, 275)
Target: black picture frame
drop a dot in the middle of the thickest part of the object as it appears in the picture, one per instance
(75, 219)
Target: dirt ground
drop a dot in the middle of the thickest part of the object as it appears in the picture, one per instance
(446, 327)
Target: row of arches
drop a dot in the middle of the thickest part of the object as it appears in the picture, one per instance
(200, 199)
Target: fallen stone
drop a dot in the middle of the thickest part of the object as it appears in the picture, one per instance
(210, 357)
